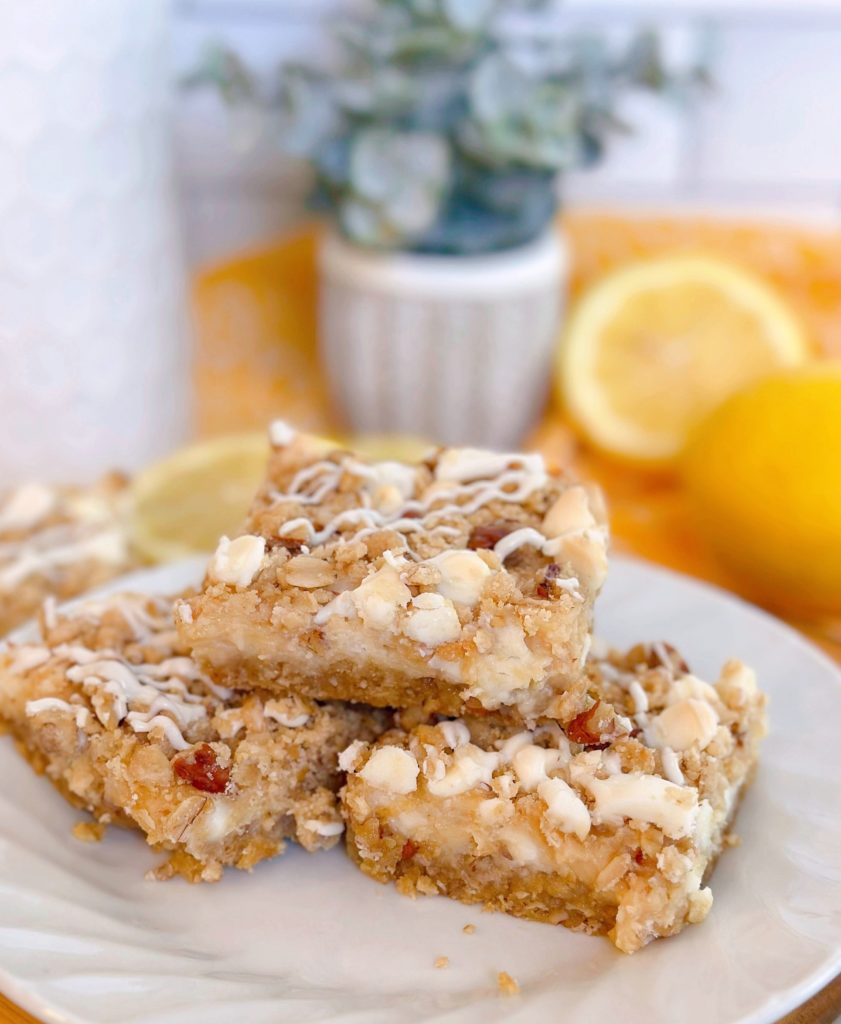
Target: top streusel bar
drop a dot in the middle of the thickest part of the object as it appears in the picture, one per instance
(463, 582)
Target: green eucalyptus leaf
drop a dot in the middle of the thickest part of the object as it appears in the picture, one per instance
(435, 128)
(469, 15)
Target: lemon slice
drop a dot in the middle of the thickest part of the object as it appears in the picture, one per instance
(656, 345)
(184, 503)
(390, 447)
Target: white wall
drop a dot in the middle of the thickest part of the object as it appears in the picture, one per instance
(766, 141)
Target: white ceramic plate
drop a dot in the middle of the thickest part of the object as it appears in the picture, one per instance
(83, 938)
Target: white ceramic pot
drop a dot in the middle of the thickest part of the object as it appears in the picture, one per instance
(94, 349)
(457, 349)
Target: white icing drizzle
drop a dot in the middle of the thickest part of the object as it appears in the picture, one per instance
(331, 471)
(527, 535)
(140, 699)
(518, 539)
(145, 624)
(48, 610)
(671, 766)
(36, 707)
(639, 697)
(107, 546)
(513, 479)
(662, 654)
(28, 657)
(140, 723)
(220, 692)
(465, 464)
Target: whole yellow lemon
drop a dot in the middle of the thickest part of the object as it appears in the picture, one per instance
(763, 473)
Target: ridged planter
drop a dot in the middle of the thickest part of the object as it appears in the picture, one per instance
(455, 349)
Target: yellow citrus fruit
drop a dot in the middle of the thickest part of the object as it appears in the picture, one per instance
(184, 503)
(763, 474)
(656, 345)
(390, 447)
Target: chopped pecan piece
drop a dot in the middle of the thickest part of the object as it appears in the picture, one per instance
(200, 768)
(598, 726)
(490, 535)
(578, 730)
(545, 590)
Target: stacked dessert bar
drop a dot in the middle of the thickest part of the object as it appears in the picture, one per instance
(422, 636)
(525, 771)
(109, 705)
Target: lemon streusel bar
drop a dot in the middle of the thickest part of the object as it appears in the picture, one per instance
(109, 706)
(609, 825)
(465, 581)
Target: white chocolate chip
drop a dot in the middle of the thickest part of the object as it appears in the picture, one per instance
(286, 712)
(392, 769)
(470, 766)
(586, 552)
(237, 562)
(736, 686)
(432, 621)
(513, 744)
(684, 724)
(570, 513)
(281, 434)
(350, 755)
(700, 904)
(216, 820)
(690, 686)
(564, 808)
(532, 764)
(505, 785)
(463, 575)
(455, 734)
(645, 798)
(378, 597)
(342, 607)
(324, 828)
(390, 484)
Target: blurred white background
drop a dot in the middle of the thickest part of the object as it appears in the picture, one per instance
(765, 141)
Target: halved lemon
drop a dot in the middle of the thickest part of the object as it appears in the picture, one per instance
(183, 504)
(390, 447)
(656, 345)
